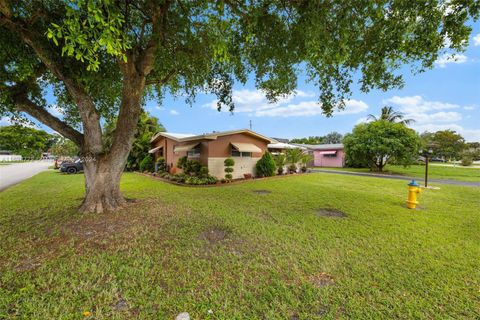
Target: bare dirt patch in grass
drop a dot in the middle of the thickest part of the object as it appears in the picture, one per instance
(332, 213)
(321, 280)
(120, 305)
(99, 232)
(215, 235)
(262, 191)
(27, 265)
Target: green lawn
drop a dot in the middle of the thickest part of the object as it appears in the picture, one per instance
(434, 172)
(240, 254)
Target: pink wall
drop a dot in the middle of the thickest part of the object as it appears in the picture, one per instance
(320, 160)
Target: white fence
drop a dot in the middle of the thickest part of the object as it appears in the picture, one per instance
(10, 157)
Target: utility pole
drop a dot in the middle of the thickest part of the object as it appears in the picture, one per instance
(250, 121)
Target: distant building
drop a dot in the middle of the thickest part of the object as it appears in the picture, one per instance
(7, 156)
(326, 155)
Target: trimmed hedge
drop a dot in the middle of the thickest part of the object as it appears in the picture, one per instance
(266, 165)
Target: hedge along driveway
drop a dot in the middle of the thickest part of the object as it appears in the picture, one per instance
(239, 253)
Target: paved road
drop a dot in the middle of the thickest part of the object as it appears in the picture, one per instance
(398, 177)
(17, 172)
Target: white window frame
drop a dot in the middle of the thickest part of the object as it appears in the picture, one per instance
(240, 154)
(194, 153)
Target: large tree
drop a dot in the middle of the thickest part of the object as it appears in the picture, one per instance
(333, 137)
(447, 144)
(377, 143)
(102, 58)
(309, 140)
(63, 147)
(25, 141)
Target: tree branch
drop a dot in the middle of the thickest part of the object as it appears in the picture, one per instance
(163, 80)
(24, 104)
(88, 112)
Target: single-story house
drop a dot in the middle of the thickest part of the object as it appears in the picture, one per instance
(327, 155)
(211, 149)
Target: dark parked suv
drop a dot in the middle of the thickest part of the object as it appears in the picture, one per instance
(71, 167)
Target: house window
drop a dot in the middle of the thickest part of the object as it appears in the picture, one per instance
(194, 153)
(236, 153)
(330, 155)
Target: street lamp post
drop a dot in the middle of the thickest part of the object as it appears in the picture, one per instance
(426, 154)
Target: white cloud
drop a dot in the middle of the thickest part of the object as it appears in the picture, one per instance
(469, 108)
(5, 121)
(362, 120)
(470, 135)
(174, 112)
(476, 40)
(256, 104)
(55, 111)
(433, 115)
(436, 117)
(352, 106)
(448, 58)
(416, 104)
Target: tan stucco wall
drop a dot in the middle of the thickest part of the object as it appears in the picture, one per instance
(221, 147)
(214, 152)
(242, 165)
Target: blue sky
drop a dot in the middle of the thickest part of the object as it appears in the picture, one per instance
(446, 97)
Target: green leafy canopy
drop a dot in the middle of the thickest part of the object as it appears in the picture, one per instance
(205, 46)
(377, 143)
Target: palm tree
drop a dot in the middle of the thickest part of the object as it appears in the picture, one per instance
(306, 158)
(280, 161)
(294, 156)
(390, 115)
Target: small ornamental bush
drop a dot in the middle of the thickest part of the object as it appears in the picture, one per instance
(266, 165)
(182, 162)
(229, 163)
(467, 160)
(188, 179)
(161, 165)
(146, 164)
(204, 171)
(192, 167)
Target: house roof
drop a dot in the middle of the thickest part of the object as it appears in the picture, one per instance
(332, 146)
(281, 140)
(180, 137)
(171, 135)
(281, 145)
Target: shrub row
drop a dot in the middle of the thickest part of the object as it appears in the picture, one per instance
(188, 179)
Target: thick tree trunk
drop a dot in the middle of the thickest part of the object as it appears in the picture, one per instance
(102, 186)
(103, 172)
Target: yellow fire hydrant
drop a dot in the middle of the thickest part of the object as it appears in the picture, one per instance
(413, 189)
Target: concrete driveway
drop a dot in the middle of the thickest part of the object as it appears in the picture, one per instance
(14, 173)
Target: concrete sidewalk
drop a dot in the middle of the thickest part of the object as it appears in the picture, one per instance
(14, 173)
(398, 177)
